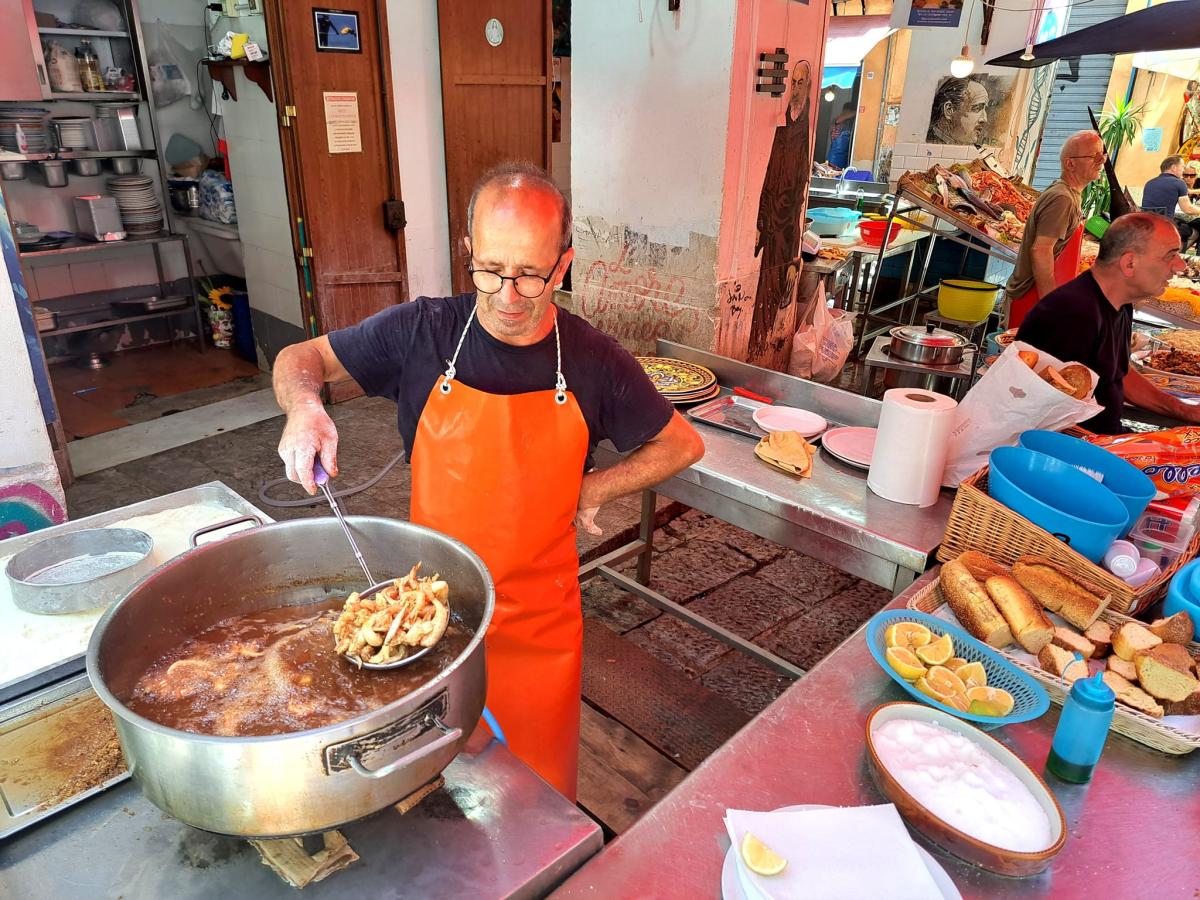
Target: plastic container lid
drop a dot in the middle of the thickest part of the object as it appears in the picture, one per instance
(1093, 692)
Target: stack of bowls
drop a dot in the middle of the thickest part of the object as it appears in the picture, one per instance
(1184, 595)
(1058, 497)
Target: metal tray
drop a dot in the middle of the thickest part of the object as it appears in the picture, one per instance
(731, 412)
(41, 749)
(153, 304)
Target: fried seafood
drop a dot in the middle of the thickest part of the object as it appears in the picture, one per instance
(411, 612)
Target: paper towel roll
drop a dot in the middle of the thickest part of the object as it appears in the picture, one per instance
(911, 446)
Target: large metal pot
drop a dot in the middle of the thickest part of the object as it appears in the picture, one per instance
(927, 345)
(308, 781)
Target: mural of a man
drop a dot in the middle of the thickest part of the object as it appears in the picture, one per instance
(781, 212)
(960, 112)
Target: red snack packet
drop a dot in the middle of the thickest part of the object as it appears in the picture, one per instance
(1170, 458)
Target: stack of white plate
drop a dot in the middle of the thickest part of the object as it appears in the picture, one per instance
(138, 201)
(73, 132)
(24, 124)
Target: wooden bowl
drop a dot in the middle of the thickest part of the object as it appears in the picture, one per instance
(964, 846)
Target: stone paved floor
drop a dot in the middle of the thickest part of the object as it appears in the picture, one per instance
(795, 606)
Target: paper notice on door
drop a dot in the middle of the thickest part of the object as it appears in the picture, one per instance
(341, 122)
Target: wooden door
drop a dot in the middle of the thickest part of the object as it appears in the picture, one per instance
(332, 71)
(495, 98)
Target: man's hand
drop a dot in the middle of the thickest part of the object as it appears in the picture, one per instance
(590, 500)
(309, 431)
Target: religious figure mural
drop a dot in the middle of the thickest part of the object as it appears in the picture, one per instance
(781, 208)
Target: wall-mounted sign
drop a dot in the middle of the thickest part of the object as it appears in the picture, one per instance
(494, 32)
(926, 13)
(341, 122)
(336, 31)
(1152, 139)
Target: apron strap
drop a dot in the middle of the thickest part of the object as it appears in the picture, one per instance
(560, 383)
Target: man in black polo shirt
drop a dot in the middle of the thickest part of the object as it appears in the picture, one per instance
(1090, 318)
(1167, 195)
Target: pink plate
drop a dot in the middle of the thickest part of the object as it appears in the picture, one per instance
(853, 446)
(786, 418)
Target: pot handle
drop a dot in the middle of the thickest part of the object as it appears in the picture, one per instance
(449, 736)
(220, 526)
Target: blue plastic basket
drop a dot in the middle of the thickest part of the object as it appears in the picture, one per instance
(1030, 699)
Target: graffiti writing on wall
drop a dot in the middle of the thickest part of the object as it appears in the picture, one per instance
(27, 507)
(622, 278)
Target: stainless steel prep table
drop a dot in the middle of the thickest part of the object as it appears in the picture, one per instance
(831, 516)
(494, 830)
(1133, 831)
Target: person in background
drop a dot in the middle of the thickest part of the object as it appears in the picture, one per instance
(1050, 251)
(1090, 318)
(841, 132)
(1167, 195)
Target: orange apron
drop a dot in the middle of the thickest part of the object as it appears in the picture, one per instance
(502, 474)
(1066, 267)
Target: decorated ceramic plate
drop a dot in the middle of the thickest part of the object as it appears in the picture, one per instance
(674, 376)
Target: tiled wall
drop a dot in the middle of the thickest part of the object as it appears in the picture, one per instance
(919, 157)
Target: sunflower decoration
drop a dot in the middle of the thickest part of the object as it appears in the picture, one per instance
(218, 297)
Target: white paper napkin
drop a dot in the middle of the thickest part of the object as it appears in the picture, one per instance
(835, 853)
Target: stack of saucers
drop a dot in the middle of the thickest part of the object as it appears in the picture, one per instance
(679, 381)
(138, 201)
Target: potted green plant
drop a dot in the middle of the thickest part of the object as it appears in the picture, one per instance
(1118, 128)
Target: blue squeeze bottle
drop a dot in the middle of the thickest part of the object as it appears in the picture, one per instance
(1082, 730)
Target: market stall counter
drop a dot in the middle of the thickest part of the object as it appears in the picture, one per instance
(1132, 831)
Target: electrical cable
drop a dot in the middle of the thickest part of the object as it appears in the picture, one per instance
(319, 499)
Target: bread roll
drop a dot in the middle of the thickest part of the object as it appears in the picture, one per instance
(1074, 642)
(1176, 629)
(1028, 624)
(1122, 667)
(972, 606)
(1188, 706)
(1078, 377)
(1132, 638)
(1058, 592)
(981, 566)
(1132, 695)
(1174, 655)
(1029, 358)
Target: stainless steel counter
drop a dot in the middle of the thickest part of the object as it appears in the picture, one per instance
(1134, 830)
(494, 830)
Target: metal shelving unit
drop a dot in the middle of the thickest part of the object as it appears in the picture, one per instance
(79, 246)
(965, 234)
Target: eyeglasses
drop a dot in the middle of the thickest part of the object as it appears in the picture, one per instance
(1094, 157)
(528, 286)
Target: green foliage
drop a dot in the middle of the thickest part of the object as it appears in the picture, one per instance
(1119, 127)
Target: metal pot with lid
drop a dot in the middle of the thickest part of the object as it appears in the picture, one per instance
(927, 345)
(298, 782)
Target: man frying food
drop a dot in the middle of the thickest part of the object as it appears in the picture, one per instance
(501, 397)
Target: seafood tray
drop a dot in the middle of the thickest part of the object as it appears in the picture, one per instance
(58, 747)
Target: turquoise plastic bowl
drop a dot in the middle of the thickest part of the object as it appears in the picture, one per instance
(1131, 485)
(1182, 596)
(1056, 496)
(1030, 699)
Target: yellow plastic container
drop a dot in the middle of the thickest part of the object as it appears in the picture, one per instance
(966, 299)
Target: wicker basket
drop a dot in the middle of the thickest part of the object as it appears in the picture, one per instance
(977, 522)
(1127, 721)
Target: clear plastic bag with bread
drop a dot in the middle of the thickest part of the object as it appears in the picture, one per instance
(1025, 388)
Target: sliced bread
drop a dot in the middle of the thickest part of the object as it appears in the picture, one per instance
(1132, 695)
(1132, 638)
(1176, 629)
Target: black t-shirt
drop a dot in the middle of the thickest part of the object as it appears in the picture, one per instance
(400, 352)
(1076, 323)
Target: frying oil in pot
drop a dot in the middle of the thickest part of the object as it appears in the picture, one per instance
(274, 672)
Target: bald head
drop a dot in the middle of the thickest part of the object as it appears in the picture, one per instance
(1082, 158)
(1081, 143)
(511, 178)
(1138, 256)
(1133, 233)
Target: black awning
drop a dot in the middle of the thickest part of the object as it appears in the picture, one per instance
(1167, 26)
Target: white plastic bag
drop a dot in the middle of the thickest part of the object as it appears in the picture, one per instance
(102, 15)
(820, 348)
(1008, 399)
(168, 77)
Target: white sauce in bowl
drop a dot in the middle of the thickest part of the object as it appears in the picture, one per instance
(963, 785)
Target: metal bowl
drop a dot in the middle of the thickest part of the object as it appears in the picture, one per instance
(79, 570)
(306, 781)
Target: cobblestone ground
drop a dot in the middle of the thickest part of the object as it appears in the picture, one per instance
(793, 605)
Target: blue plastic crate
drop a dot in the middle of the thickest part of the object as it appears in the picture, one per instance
(1030, 699)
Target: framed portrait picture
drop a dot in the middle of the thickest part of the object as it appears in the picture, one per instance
(336, 31)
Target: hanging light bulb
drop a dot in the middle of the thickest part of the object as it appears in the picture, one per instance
(962, 65)
(829, 95)
(1028, 54)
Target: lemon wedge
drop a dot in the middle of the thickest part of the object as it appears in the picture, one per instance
(760, 858)
(937, 652)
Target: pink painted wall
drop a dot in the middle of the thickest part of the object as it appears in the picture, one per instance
(753, 117)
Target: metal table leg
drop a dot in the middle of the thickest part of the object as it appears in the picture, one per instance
(646, 535)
